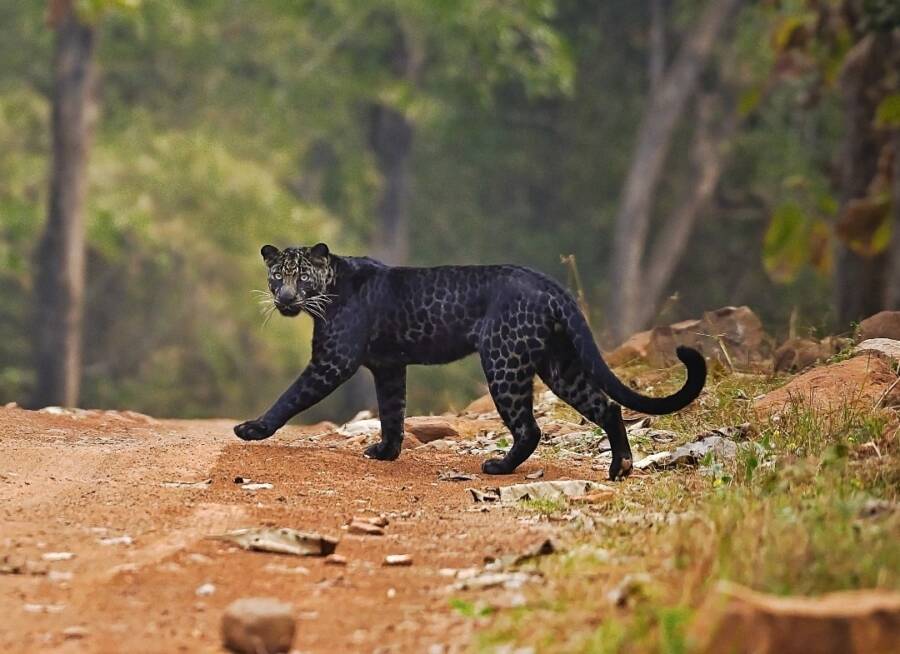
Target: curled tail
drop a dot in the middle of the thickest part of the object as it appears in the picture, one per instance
(590, 357)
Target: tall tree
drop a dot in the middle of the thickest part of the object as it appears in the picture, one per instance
(60, 257)
(391, 135)
(860, 278)
(665, 108)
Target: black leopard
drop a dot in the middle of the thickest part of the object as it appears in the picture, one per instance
(519, 321)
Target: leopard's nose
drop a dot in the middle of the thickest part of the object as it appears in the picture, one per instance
(285, 295)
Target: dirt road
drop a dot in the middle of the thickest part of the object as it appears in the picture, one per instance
(70, 484)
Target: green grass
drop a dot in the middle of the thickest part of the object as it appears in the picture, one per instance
(785, 517)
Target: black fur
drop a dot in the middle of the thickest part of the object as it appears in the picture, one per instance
(519, 321)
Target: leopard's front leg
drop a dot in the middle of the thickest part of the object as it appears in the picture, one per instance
(315, 384)
(390, 387)
(337, 352)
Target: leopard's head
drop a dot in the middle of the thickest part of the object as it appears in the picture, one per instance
(300, 279)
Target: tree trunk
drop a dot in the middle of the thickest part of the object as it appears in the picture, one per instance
(709, 150)
(892, 285)
(60, 258)
(664, 110)
(656, 62)
(391, 137)
(859, 280)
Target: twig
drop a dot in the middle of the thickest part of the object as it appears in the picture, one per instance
(569, 260)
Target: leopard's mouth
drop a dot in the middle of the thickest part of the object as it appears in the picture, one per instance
(289, 310)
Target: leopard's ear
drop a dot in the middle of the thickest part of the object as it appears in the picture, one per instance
(319, 254)
(270, 254)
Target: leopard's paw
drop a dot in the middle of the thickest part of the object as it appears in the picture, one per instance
(497, 467)
(253, 430)
(382, 451)
(620, 468)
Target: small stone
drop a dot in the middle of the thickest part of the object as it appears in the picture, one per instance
(116, 540)
(378, 520)
(438, 444)
(256, 487)
(57, 556)
(335, 559)
(258, 625)
(398, 560)
(205, 590)
(364, 528)
(537, 474)
(75, 632)
(10, 405)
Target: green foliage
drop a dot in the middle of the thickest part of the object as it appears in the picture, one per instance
(888, 112)
(794, 240)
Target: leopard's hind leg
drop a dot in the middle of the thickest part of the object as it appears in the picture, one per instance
(564, 375)
(510, 378)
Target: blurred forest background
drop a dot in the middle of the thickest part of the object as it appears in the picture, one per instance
(687, 154)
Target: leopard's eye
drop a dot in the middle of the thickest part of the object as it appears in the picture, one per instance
(304, 278)
(277, 275)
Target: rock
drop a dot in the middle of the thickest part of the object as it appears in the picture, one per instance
(861, 380)
(258, 625)
(335, 559)
(257, 486)
(742, 621)
(439, 444)
(410, 442)
(887, 347)
(205, 590)
(633, 349)
(377, 520)
(659, 460)
(364, 528)
(486, 495)
(455, 475)
(484, 404)
(398, 560)
(75, 632)
(11, 405)
(733, 336)
(537, 474)
(799, 354)
(428, 429)
(116, 540)
(364, 427)
(885, 324)
(57, 556)
(280, 540)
